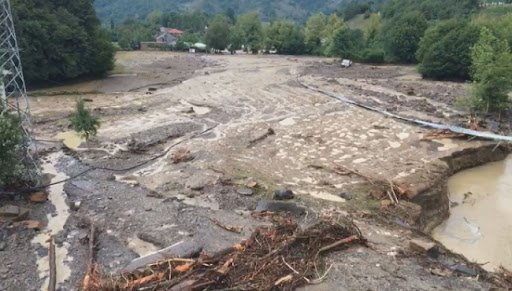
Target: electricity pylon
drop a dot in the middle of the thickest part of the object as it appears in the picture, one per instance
(13, 92)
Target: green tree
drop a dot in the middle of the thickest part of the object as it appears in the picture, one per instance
(250, 26)
(236, 39)
(83, 122)
(332, 26)
(445, 50)
(314, 32)
(491, 72)
(285, 37)
(347, 43)
(61, 40)
(217, 36)
(403, 36)
(372, 30)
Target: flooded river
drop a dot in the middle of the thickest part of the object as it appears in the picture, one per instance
(480, 223)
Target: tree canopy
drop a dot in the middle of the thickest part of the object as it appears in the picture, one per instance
(61, 39)
(491, 71)
(403, 36)
(285, 37)
(445, 50)
(217, 36)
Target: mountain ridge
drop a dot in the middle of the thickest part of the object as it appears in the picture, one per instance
(298, 10)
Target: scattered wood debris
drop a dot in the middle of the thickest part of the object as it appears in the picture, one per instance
(53, 266)
(230, 228)
(270, 132)
(281, 256)
(342, 170)
(91, 280)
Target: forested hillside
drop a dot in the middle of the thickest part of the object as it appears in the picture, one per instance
(297, 10)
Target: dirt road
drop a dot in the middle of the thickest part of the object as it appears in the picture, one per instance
(246, 120)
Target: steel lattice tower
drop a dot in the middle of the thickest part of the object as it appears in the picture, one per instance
(13, 83)
(13, 93)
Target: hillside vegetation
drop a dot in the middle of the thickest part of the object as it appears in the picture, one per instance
(297, 10)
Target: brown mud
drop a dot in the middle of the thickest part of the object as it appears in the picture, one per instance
(326, 152)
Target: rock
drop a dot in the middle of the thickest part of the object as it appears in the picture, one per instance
(154, 194)
(284, 194)
(280, 206)
(465, 270)
(38, 197)
(251, 184)
(425, 247)
(75, 206)
(3, 245)
(347, 195)
(245, 191)
(148, 209)
(243, 212)
(181, 156)
(182, 249)
(14, 213)
(111, 177)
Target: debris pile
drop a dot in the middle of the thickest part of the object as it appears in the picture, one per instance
(282, 256)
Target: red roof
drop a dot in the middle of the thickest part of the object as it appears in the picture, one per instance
(174, 31)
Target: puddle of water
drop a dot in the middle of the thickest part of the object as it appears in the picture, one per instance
(55, 224)
(140, 247)
(480, 226)
(71, 139)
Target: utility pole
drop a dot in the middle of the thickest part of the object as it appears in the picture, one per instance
(13, 95)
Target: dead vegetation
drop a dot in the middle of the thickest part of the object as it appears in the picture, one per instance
(280, 257)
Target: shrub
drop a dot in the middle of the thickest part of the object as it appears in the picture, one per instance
(83, 122)
(445, 50)
(12, 150)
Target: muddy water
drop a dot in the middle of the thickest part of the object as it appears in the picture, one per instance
(71, 139)
(480, 223)
(56, 224)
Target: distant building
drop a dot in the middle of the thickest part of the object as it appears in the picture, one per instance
(169, 36)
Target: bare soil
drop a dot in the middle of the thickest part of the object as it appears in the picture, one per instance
(220, 109)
